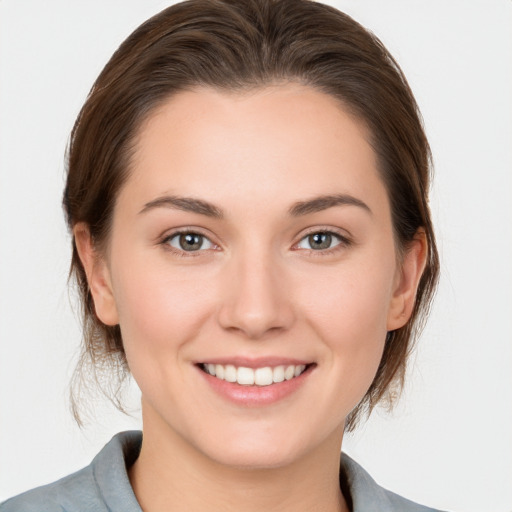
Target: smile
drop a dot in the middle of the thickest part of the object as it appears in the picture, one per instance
(244, 376)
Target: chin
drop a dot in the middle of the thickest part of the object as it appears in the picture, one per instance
(247, 458)
(253, 451)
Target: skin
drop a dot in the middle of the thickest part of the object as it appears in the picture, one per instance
(256, 288)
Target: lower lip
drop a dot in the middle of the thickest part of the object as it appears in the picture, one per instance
(254, 396)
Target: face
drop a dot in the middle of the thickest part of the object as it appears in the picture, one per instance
(253, 272)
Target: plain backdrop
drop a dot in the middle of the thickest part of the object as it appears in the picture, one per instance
(449, 441)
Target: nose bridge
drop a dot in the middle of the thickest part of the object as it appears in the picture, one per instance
(257, 300)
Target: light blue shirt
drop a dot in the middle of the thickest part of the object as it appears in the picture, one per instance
(103, 486)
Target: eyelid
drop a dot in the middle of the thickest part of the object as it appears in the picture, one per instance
(344, 238)
(183, 230)
(180, 230)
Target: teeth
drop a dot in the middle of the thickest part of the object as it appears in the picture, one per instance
(278, 374)
(230, 373)
(263, 376)
(244, 376)
(298, 370)
(219, 371)
(260, 376)
(289, 373)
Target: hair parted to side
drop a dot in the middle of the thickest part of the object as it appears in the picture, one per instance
(237, 45)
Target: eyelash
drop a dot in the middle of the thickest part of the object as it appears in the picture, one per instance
(166, 242)
(343, 242)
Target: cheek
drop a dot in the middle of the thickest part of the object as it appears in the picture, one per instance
(158, 310)
(349, 314)
(350, 304)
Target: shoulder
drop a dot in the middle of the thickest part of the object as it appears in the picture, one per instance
(100, 487)
(74, 492)
(366, 494)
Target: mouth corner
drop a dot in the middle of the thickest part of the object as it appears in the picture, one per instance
(202, 366)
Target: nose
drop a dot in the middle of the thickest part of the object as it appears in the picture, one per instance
(257, 300)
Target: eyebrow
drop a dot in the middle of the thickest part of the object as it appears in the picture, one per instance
(186, 204)
(317, 204)
(298, 209)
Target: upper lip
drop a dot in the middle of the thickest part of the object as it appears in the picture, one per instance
(259, 362)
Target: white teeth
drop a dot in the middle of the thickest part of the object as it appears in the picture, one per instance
(219, 371)
(248, 376)
(245, 376)
(299, 369)
(289, 373)
(278, 374)
(263, 376)
(230, 373)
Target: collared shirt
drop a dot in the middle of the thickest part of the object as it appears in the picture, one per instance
(103, 486)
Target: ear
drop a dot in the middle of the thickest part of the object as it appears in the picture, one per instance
(406, 281)
(98, 275)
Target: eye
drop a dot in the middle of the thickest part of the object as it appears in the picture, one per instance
(189, 242)
(321, 241)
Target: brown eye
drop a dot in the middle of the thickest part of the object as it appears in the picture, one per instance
(189, 242)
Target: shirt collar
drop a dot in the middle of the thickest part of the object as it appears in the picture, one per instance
(111, 476)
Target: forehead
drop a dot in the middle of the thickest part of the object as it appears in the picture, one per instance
(280, 141)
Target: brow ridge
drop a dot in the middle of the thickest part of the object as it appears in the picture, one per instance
(324, 202)
(187, 204)
(298, 209)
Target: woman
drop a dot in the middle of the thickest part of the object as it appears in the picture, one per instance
(247, 193)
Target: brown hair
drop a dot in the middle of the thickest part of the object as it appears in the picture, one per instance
(238, 45)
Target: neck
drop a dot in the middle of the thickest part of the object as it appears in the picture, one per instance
(171, 475)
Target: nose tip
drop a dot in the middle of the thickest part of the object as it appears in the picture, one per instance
(257, 302)
(254, 324)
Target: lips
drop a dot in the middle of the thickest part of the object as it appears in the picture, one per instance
(260, 376)
(255, 382)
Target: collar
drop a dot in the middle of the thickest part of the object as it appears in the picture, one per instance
(109, 468)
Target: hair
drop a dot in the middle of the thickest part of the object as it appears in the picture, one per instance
(239, 45)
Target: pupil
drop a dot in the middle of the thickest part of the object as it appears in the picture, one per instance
(191, 242)
(320, 241)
